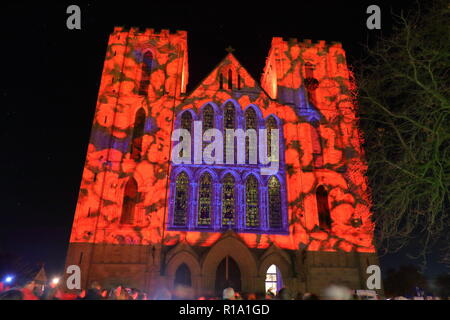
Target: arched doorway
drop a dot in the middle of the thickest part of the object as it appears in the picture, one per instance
(183, 276)
(228, 274)
(273, 281)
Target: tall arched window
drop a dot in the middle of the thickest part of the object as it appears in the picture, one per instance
(138, 132)
(275, 220)
(311, 83)
(208, 118)
(228, 201)
(230, 79)
(208, 122)
(229, 122)
(251, 203)
(204, 200)
(147, 62)
(250, 123)
(181, 200)
(186, 123)
(271, 123)
(322, 208)
(130, 198)
(317, 150)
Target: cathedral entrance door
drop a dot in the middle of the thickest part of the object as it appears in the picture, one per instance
(228, 275)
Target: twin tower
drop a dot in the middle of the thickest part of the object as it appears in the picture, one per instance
(145, 222)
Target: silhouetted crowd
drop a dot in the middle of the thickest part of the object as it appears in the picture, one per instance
(51, 291)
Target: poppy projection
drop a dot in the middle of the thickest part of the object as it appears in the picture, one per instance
(295, 184)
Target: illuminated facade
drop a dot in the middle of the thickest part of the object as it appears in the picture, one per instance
(146, 222)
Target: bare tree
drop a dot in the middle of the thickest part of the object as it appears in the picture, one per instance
(404, 103)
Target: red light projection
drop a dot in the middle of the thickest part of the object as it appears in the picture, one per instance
(124, 194)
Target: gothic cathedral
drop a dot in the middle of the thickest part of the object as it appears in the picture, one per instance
(146, 222)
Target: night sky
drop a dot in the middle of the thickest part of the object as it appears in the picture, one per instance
(51, 77)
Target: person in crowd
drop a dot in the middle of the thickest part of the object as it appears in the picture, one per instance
(104, 294)
(337, 292)
(142, 296)
(269, 295)
(163, 294)
(251, 296)
(284, 294)
(50, 291)
(94, 292)
(81, 294)
(310, 296)
(114, 293)
(299, 296)
(134, 294)
(27, 291)
(12, 294)
(123, 294)
(228, 294)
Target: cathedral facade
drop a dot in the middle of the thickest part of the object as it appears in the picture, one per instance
(146, 221)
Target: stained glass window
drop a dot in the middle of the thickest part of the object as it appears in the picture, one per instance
(208, 122)
(181, 200)
(322, 208)
(252, 203)
(208, 118)
(250, 123)
(275, 220)
(228, 201)
(145, 74)
(186, 123)
(204, 200)
(138, 132)
(130, 198)
(228, 123)
(270, 124)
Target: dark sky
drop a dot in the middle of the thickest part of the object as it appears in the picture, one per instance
(51, 77)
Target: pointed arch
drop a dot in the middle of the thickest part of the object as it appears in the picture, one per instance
(130, 198)
(271, 124)
(186, 123)
(273, 281)
(146, 68)
(228, 201)
(275, 217)
(205, 200)
(138, 133)
(208, 117)
(251, 202)
(323, 209)
(183, 276)
(251, 122)
(229, 122)
(230, 79)
(181, 200)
